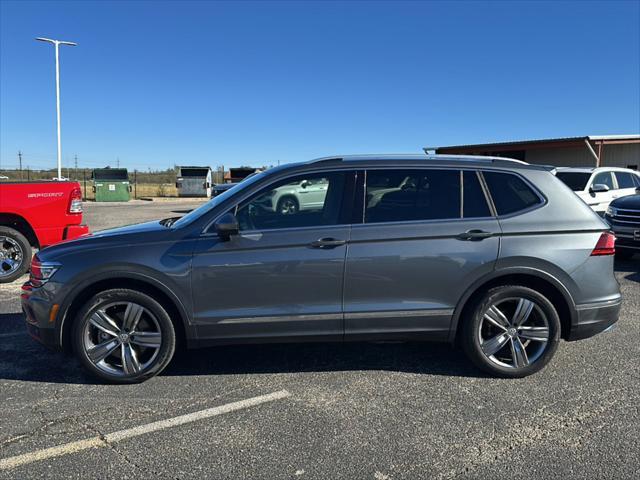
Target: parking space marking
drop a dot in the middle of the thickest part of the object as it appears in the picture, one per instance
(96, 442)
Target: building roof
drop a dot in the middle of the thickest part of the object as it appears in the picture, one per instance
(538, 143)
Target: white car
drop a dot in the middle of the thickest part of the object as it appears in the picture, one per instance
(599, 186)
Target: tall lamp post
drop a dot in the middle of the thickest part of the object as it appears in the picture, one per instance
(57, 44)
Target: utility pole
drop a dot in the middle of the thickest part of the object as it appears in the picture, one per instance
(76, 166)
(117, 162)
(20, 162)
(57, 44)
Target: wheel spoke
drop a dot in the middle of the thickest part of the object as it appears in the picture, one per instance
(146, 339)
(495, 316)
(104, 323)
(538, 334)
(132, 316)
(130, 362)
(491, 346)
(102, 350)
(523, 310)
(519, 354)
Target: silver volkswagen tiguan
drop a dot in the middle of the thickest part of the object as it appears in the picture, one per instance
(491, 254)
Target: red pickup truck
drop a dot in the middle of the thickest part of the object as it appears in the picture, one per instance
(35, 215)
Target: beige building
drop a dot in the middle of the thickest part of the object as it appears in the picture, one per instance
(589, 151)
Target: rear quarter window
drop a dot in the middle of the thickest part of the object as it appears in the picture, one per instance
(510, 193)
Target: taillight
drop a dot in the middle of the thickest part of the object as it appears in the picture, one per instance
(40, 272)
(75, 202)
(606, 245)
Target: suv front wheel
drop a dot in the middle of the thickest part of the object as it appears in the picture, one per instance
(512, 331)
(124, 336)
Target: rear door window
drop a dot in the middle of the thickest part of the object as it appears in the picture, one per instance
(625, 180)
(474, 201)
(412, 194)
(510, 193)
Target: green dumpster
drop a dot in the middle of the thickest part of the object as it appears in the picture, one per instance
(111, 184)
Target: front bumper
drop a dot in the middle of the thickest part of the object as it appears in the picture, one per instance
(41, 324)
(594, 318)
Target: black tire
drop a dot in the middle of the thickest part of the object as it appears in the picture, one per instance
(20, 240)
(473, 327)
(156, 316)
(293, 203)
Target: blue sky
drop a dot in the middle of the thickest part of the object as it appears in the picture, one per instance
(162, 83)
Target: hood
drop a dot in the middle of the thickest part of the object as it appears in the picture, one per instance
(138, 233)
(631, 201)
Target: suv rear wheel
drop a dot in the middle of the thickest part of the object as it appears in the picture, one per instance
(513, 331)
(123, 336)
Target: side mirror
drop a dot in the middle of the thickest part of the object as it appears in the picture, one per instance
(305, 183)
(599, 188)
(226, 226)
(638, 190)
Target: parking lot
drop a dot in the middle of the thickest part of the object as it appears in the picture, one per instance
(379, 411)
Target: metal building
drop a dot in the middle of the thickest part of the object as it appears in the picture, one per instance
(194, 181)
(588, 151)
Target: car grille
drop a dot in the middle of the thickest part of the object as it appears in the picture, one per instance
(626, 217)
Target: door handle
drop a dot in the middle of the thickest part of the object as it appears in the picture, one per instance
(326, 243)
(474, 235)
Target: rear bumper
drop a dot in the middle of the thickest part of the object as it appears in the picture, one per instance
(594, 318)
(74, 231)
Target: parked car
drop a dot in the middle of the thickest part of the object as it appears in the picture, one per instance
(599, 186)
(491, 254)
(623, 214)
(35, 215)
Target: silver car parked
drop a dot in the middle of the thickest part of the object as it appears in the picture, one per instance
(494, 255)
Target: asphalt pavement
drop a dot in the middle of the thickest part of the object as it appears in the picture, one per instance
(370, 411)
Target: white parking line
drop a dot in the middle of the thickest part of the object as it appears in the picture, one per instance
(95, 442)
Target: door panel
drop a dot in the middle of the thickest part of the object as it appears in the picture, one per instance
(402, 278)
(269, 284)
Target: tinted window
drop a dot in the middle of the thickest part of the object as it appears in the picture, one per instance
(403, 195)
(576, 181)
(509, 192)
(302, 201)
(603, 178)
(625, 180)
(474, 202)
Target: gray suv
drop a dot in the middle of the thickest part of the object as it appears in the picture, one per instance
(495, 255)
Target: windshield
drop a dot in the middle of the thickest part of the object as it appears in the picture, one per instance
(576, 181)
(214, 202)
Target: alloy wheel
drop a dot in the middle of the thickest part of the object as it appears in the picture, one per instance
(122, 338)
(11, 256)
(514, 332)
(288, 207)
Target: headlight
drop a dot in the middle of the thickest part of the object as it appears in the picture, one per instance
(612, 211)
(41, 272)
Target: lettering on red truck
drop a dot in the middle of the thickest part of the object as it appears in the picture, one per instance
(36, 215)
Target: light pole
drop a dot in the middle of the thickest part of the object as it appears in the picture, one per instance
(57, 44)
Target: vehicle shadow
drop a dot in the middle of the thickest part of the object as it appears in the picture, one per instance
(22, 358)
(630, 267)
(410, 357)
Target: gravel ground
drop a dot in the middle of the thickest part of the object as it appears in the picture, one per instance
(372, 411)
